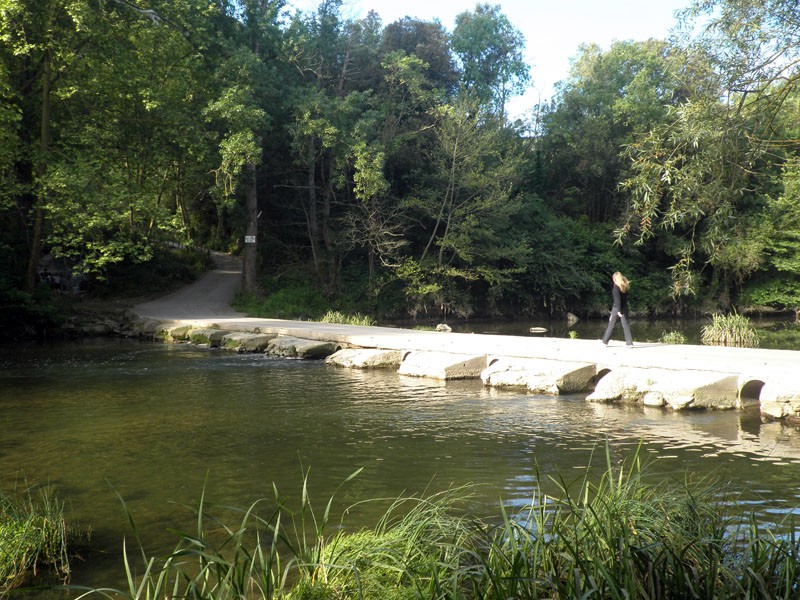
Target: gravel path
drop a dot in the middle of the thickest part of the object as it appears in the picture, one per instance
(208, 298)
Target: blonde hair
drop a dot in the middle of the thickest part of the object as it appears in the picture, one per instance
(621, 281)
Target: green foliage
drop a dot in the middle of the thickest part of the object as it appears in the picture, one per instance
(777, 285)
(491, 52)
(298, 301)
(167, 269)
(781, 292)
(730, 330)
(568, 265)
(386, 151)
(33, 535)
(672, 337)
(609, 99)
(25, 315)
(685, 179)
(335, 316)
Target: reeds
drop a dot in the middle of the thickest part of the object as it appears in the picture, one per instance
(615, 536)
(33, 538)
(729, 330)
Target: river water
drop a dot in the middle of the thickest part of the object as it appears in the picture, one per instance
(159, 424)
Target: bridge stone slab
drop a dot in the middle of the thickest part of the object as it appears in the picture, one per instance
(442, 365)
(366, 358)
(781, 400)
(679, 390)
(211, 337)
(299, 347)
(243, 342)
(542, 376)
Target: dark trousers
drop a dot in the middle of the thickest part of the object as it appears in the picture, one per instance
(612, 320)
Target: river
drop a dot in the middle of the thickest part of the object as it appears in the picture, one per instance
(159, 424)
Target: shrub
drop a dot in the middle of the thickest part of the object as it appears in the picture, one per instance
(729, 330)
(335, 316)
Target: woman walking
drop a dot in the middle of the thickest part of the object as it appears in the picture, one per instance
(619, 309)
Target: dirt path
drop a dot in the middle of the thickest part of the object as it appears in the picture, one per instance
(208, 298)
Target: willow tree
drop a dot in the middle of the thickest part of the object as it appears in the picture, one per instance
(700, 179)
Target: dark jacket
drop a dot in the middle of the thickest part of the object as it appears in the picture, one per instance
(620, 301)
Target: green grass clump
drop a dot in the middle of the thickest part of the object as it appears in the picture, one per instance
(612, 536)
(672, 337)
(335, 316)
(33, 536)
(730, 330)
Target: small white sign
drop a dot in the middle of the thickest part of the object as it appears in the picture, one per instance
(249, 239)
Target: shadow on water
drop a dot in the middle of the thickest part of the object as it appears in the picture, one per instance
(160, 423)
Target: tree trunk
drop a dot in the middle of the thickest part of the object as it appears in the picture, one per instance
(312, 215)
(31, 275)
(327, 226)
(249, 285)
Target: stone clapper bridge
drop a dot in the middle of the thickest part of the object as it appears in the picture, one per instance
(677, 377)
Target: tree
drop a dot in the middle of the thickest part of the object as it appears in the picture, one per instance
(123, 159)
(430, 43)
(44, 39)
(490, 50)
(608, 100)
(701, 177)
(468, 202)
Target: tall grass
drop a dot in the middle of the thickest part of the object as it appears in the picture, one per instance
(614, 536)
(729, 330)
(33, 538)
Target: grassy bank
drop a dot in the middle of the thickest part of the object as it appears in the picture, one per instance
(33, 539)
(610, 536)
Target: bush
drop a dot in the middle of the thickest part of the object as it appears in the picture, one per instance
(672, 337)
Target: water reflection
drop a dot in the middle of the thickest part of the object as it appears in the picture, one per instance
(158, 424)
